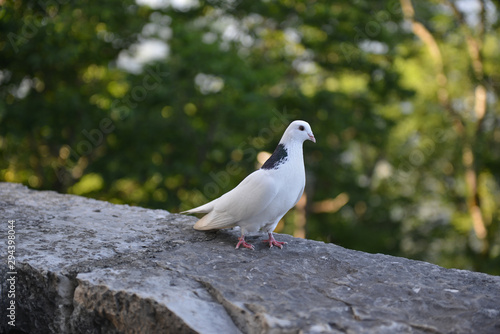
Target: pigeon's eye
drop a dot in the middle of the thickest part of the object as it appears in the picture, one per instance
(301, 128)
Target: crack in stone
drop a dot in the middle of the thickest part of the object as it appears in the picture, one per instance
(237, 315)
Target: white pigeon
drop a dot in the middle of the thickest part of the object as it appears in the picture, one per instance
(263, 197)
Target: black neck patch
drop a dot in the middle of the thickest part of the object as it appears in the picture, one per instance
(278, 157)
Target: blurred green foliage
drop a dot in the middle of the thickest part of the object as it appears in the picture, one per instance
(402, 98)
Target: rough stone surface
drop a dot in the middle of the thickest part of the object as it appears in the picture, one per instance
(87, 266)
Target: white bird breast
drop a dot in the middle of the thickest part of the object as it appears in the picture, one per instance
(290, 183)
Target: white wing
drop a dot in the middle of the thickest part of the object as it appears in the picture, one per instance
(248, 199)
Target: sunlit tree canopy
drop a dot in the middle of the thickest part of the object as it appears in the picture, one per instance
(169, 104)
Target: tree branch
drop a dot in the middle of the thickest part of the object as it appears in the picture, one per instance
(474, 46)
(480, 107)
(424, 34)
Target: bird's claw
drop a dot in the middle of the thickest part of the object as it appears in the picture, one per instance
(273, 242)
(242, 242)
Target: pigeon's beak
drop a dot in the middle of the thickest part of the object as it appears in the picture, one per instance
(311, 137)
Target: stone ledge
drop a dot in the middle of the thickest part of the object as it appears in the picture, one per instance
(87, 266)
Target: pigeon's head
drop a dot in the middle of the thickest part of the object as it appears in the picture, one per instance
(298, 131)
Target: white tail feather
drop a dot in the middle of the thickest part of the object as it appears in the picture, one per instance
(213, 221)
(205, 208)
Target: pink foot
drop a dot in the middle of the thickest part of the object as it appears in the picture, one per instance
(243, 243)
(273, 242)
